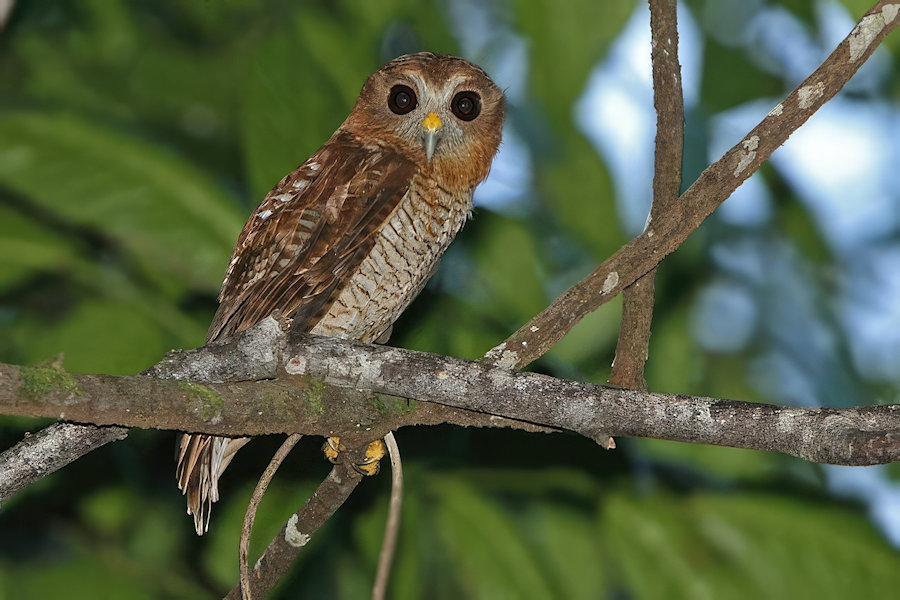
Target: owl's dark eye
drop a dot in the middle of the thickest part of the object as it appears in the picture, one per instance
(466, 105)
(402, 99)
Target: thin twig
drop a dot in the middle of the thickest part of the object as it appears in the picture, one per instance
(247, 528)
(296, 533)
(389, 543)
(6, 8)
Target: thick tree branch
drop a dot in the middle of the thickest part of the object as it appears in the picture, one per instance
(632, 346)
(329, 386)
(250, 356)
(665, 234)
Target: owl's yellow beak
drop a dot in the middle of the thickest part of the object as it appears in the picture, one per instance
(431, 126)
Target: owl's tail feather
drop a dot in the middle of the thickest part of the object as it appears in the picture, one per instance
(201, 461)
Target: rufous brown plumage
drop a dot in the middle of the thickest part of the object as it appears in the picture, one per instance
(345, 242)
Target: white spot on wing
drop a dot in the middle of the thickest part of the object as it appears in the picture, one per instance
(313, 166)
(264, 214)
(300, 184)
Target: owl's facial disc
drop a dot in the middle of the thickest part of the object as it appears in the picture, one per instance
(431, 127)
(439, 111)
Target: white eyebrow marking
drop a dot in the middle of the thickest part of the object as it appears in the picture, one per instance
(421, 86)
(455, 81)
(446, 89)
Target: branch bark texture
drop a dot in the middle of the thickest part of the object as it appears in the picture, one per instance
(49, 449)
(360, 391)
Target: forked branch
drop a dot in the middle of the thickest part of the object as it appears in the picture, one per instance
(666, 233)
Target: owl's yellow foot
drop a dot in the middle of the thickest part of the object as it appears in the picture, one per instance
(370, 462)
(331, 449)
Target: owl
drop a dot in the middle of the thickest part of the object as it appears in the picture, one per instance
(346, 241)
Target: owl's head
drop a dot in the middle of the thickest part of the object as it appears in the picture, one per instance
(443, 112)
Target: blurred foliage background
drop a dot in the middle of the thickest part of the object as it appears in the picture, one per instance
(136, 137)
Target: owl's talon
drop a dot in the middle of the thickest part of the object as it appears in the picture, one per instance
(332, 450)
(369, 465)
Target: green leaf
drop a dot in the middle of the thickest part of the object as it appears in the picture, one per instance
(740, 546)
(170, 218)
(673, 364)
(488, 552)
(571, 552)
(508, 267)
(97, 337)
(576, 188)
(86, 578)
(566, 40)
(424, 327)
(280, 95)
(595, 333)
(109, 510)
(28, 249)
(282, 499)
(720, 63)
(731, 463)
(152, 537)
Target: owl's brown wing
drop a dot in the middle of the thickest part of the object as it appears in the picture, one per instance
(310, 234)
(295, 254)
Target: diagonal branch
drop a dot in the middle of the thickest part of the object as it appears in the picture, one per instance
(637, 299)
(714, 186)
(296, 533)
(51, 448)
